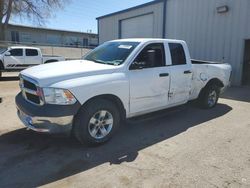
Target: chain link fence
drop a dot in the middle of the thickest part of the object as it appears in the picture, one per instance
(69, 52)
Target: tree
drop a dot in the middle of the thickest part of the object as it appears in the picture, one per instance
(37, 11)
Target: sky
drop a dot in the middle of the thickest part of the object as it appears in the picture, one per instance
(80, 15)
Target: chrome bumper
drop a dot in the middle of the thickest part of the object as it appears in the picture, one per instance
(52, 125)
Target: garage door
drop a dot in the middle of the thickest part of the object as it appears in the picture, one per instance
(138, 27)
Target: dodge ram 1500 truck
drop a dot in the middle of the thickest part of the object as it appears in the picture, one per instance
(17, 58)
(119, 79)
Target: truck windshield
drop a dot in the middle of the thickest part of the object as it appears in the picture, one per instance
(112, 53)
(2, 50)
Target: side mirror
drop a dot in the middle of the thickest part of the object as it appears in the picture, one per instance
(7, 54)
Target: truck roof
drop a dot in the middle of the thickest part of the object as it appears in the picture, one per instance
(23, 47)
(148, 40)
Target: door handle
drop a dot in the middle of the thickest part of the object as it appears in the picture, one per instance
(188, 72)
(164, 75)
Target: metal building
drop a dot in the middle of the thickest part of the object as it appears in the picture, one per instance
(45, 36)
(217, 30)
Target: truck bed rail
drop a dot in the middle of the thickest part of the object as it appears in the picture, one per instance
(195, 61)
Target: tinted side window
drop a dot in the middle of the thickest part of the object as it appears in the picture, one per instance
(31, 52)
(177, 54)
(16, 52)
(151, 56)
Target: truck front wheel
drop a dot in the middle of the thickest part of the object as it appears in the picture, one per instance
(96, 122)
(209, 96)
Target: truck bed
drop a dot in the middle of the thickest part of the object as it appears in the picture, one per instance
(195, 61)
(205, 70)
(50, 56)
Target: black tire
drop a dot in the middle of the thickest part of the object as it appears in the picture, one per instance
(209, 96)
(81, 127)
(51, 61)
(1, 68)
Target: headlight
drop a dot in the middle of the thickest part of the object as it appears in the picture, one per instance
(58, 96)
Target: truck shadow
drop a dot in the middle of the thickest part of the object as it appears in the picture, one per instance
(30, 160)
(9, 78)
(238, 93)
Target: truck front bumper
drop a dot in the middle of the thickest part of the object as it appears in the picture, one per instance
(59, 125)
(53, 119)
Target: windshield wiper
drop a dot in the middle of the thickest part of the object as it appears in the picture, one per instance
(117, 62)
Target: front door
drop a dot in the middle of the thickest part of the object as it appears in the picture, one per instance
(246, 66)
(149, 80)
(181, 75)
(14, 59)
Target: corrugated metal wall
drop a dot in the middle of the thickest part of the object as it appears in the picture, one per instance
(211, 36)
(109, 26)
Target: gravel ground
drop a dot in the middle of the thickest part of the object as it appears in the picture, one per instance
(185, 147)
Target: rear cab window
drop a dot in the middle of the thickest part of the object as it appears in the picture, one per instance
(31, 52)
(178, 55)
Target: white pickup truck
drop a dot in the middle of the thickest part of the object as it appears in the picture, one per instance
(119, 79)
(18, 58)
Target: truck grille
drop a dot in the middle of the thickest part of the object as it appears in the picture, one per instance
(29, 85)
(33, 98)
(30, 91)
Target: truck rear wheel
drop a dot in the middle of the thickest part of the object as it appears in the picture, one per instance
(96, 122)
(209, 96)
(51, 61)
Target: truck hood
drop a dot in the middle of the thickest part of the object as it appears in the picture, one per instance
(51, 73)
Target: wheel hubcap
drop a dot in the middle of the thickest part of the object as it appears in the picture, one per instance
(100, 124)
(212, 98)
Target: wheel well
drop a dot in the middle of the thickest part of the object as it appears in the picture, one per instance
(114, 99)
(51, 61)
(215, 81)
(1, 65)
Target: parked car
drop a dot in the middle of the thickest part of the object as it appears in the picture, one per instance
(18, 58)
(119, 79)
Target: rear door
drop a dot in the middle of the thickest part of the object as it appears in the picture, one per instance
(15, 58)
(32, 57)
(181, 75)
(149, 79)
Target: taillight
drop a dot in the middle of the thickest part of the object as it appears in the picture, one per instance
(230, 77)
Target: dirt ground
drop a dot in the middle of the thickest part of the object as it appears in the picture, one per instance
(187, 147)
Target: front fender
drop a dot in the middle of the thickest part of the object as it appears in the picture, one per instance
(1, 58)
(85, 88)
